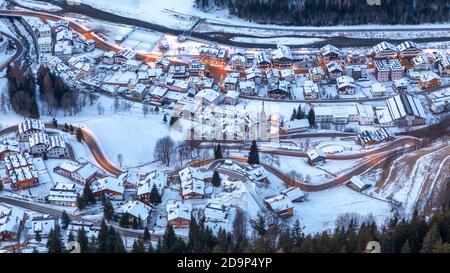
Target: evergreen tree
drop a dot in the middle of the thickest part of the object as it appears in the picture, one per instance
(54, 242)
(54, 123)
(1, 186)
(312, 117)
(300, 113)
(70, 238)
(147, 236)
(169, 238)
(294, 114)
(406, 248)
(155, 197)
(218, 152)
(65, 220)
(253, 155)
(108, 210)
(223, 245)
(134, 223)
(124, 220)
(38, 236)
(138, 246)
(102, 239)
(83, 240)
(119, 246)
(81, 204)
(216, 180)
(88, 196)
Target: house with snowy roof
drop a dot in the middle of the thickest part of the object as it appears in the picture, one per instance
(156, 179)
(42, 225)
(79, 172)
(29, 127)
(136, 210)
(315, 156)
(384, 50)
(330, 52)
(282, 57)
(345, 85)
(12, 221)
(358, 184)
(334, 70)
(429, 79)
(110, 187)
(294, 194)
(208, 96)
(178, 214)
(8, 147)
(192, 183)
(281, 205)
(63, 194)
(408, 49)
(20, 171)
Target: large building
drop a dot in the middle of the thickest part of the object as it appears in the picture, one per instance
(21, 172)
(406, 110)
(29, 127)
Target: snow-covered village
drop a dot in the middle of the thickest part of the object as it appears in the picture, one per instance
(179, 128)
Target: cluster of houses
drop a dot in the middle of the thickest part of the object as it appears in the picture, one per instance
(17, 156)
(60, 40)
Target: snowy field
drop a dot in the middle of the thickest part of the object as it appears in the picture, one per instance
(134, 138)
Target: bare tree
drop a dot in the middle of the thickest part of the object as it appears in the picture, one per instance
(239, 225)
(164, 149)
(100, 109)
(120, 159)
(145, 109)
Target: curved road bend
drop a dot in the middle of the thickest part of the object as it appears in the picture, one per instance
(398, 142)
(17, 54)
(90, 141)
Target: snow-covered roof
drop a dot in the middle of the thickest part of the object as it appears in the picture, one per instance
(429, 76)
(10, 218)
(279, 203)
(330, 49)
(333, 66)
(31, 124)
(281, 52)
(87, 170)
(315, 153)
(405, 105)
(383, 46)
(378, 88)
(345, 81)
(209, 95)
(215, 212)
(297, 124)
(136, 209)
(108, 183)
(156, 178)
(176, 210)
(293, 193)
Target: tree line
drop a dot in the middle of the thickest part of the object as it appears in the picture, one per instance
(334, 12)
(55, 93)
(22, 92)
(351, 235)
